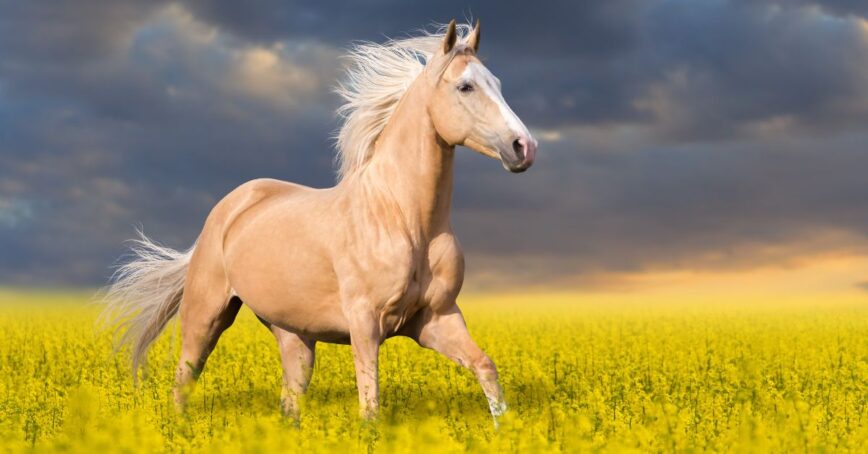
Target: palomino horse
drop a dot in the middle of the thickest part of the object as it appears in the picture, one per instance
(370, 258)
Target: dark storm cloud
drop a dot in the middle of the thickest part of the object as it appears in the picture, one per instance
(624, 60)
(679, 134)
(834, 7)
(591, 28)
(567, 51)
(109, 128)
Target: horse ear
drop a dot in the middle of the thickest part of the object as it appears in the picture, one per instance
(473, 39)
(450, 37)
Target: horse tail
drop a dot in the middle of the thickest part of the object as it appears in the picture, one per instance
(144, 295)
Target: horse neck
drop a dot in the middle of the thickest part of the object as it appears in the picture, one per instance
(411, 167)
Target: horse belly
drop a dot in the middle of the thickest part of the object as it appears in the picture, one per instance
(288, 283)
(313, 318)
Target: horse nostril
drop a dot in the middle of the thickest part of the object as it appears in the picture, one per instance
(518, 147)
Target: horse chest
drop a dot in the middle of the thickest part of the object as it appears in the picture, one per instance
(433, 281)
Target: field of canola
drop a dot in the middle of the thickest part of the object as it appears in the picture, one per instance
(580, 373)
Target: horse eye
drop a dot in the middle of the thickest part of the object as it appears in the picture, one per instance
(465, 88)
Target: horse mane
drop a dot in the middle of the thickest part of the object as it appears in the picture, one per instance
(377, 77)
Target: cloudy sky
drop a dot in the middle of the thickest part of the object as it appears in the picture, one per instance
(678, 139)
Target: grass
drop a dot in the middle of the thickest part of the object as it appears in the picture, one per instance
(580, 374)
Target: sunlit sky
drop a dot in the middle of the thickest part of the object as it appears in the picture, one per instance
(686, 147)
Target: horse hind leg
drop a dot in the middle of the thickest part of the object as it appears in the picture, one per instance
(297, 356)
(204, 316)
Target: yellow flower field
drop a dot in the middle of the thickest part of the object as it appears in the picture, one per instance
(580, 373)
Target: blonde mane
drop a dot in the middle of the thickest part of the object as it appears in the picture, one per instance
(376, 79)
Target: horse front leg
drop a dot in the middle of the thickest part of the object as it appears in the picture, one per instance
(365, 339)
(447, 333)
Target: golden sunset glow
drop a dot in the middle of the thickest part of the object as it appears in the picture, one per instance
(823, 277)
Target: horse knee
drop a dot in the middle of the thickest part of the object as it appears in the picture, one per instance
(484, 368)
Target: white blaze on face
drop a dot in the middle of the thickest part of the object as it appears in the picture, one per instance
(490, 86)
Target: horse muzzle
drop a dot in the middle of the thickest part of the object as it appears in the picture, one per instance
(520, 156)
